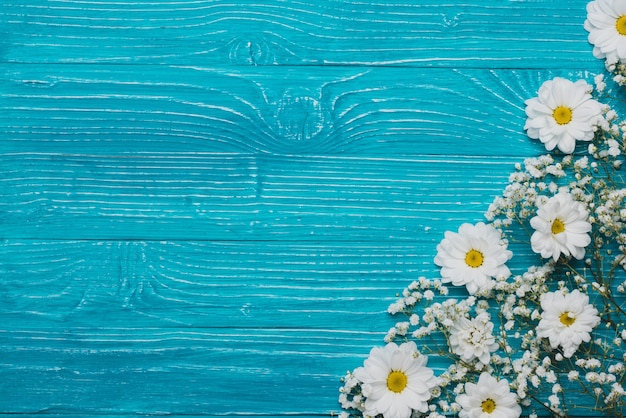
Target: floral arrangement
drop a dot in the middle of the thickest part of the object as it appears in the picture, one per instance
(550, 339)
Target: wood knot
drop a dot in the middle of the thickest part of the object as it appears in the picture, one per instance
(250, 50)
(299, 116)
(451, 22)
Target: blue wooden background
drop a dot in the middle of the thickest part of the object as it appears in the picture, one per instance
(207, 206)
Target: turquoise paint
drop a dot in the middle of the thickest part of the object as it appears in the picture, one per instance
(207, 206)
(482, 33)
(243, 197)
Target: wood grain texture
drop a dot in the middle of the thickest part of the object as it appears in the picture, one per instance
(204, 284)
(130, 108)
(206, 206)
(481, 33)
(230, 324)
(148, 371)
(259, 318)
(235, 197)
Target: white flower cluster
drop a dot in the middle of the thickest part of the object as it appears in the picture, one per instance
(550, 338)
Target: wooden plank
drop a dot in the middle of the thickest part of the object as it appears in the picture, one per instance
(191, 327)
(143, 371)
(242, 197)
(347, 111)
(186, 284)
(180, 327)
(483, 33)
(96, 328)
(58, 284)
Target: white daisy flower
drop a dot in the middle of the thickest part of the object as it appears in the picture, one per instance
(567, 320)
(561, 227)
(562, 114)
(473, 256)
(396, 381)
(488, 398)
(473, 339)
(606, 24)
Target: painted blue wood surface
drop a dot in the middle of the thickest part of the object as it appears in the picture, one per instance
(208, 205)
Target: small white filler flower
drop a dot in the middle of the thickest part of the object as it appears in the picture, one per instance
(567, 320)
(396, 381)
(562, 114)
(561, 227)
(606, 24)
(473, 256)
(488, 398)
(473, 339)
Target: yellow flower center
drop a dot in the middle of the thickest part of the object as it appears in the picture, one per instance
(562, 115)
(566, 319)
(620, 25)
(474, 258)
(488, 405)
(558, 226)
(397, 381)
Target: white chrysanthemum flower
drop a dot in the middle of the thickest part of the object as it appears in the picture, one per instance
(567, 320)
(562, 114)
(473, 339)
(606, 24)
(473, 256)
(561, 227)
(488, 398)
(396, 381)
